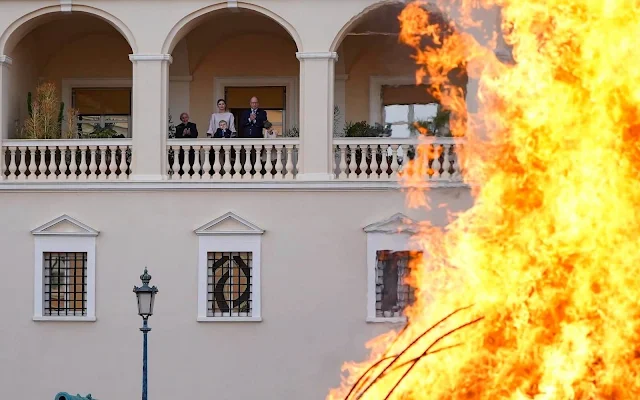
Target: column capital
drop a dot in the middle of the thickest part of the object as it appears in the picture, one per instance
(5, 61)
(317, 55)
(150, 57)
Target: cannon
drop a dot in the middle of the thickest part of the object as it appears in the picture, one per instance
(67, 396)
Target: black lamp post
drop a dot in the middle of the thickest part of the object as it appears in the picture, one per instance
(146, 295)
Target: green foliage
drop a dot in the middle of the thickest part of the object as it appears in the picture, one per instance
(293, 132)
(363, 129)
(102, 132)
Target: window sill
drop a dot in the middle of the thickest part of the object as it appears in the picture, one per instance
(64, 319)
(229, 319)
(388, 320)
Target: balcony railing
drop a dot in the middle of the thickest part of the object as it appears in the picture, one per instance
(384, 159)
(232, 159)
(66, 160)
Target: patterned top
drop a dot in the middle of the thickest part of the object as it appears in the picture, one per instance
(214, 123)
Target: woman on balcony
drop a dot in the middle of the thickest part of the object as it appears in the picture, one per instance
(222, 115)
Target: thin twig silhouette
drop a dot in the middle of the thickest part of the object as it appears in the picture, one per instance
(365, 379)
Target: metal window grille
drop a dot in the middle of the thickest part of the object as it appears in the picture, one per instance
(229, 285)
(393, 294)
(65, 284)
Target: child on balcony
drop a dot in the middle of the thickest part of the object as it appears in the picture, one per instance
(223, 132)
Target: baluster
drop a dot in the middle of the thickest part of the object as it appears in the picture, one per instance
(342, 166)
(186, 167)
(402, 167)
(279, 164)
(289, 165)
(103, 162)
(123, 162)
(363, 161)
(206, 168)
(384, 164)
(217, 153)
(394, 160)
(446, 163)
(175, 166)
(374, 161)
(435, 165)
(22, 168)
(247, 162)
(457, 172)
(12, 162)
(52, 163)
(73, 167)
(112, 163)
(236, 163)
(227, 163)
(257, 165)
(352, 162)
(32, 164)
(93, 166)
(62, 167)
(196, 162)
(83, 163)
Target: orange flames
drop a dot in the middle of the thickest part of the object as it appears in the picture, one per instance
(533, 293)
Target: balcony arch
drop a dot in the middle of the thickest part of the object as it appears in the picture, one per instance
(28, 22)
(189, 22)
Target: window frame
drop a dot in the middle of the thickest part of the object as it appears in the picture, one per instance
(46, 240)
(211, 239)
(393, 234)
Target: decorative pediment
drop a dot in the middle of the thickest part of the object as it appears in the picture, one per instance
(229, 224)
(64, 225)
(397, 223)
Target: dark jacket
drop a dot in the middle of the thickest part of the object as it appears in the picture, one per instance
(253, 129)
(226, 134)
(180, 131)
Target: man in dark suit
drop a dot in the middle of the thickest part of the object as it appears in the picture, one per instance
(186, 130)
(253, 121)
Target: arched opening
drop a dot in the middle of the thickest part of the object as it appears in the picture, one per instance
(234, 54)
(376, 92)
(84, 61)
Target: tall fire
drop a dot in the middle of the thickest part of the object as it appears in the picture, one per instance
(533, 293)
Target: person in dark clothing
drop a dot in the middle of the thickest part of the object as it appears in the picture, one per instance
(186, 130)
(253, 121)
(223, 132)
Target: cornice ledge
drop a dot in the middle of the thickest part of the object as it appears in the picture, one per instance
(150, 57)
(317, 55)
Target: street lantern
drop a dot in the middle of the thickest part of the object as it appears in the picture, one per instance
(146, 296)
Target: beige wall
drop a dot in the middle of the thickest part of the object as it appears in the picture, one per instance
(215, 53)
(367, 56)
(313, 294)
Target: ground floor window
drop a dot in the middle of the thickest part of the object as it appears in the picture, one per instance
(65, 284)
(229, 284)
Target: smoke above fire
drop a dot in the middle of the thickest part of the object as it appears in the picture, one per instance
(533, 293)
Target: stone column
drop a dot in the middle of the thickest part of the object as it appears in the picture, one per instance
(5, 121)
(316, 115)
(150, 115)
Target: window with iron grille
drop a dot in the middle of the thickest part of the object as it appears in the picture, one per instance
(229, 284)
(393, 293)
(65, 284)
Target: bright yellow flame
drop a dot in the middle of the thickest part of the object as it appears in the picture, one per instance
(533, 293)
